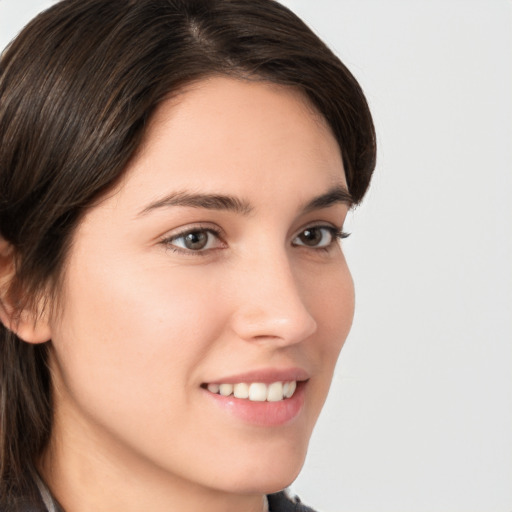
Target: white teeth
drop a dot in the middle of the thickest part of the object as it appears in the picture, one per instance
(275, 392)
(292, 386)
(256, 391)
(226, 389)
(213, 388)
(241, 390)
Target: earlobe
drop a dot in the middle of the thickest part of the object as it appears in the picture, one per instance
(27, 324)
(29, 327)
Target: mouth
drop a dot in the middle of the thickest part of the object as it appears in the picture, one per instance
(255, 391)
(264, 399)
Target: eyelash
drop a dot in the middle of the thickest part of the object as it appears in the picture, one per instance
(336, 234)
(168, 241)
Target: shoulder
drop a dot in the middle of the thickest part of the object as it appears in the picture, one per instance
(285, 502)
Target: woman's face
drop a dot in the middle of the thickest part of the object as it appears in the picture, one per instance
(215, 262)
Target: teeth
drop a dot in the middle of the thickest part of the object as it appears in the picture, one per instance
(256, 391)
(275, 392)
(213, 388)
(290, 389)
(226, 389)
(241, 390)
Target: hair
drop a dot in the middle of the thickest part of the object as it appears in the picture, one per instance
(78, 87)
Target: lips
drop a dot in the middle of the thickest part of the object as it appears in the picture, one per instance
(266, 398)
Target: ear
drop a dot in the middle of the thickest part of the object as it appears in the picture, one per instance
(29, 324)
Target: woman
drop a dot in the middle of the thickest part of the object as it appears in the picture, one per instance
(174, 180)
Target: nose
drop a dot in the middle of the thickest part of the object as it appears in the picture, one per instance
(269, 305)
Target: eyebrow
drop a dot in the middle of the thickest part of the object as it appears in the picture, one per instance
(337, 194)
(206, 201)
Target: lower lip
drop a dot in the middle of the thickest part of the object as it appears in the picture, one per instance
(264, 414)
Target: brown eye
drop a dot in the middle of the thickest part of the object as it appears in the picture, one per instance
(316, 237)
(197, 240)
(311, 237)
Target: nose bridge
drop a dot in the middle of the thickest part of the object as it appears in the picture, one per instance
(270, 304)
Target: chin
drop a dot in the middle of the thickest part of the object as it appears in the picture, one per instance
(267, 473)
(266, 481)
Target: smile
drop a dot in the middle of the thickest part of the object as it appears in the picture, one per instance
(256, 391)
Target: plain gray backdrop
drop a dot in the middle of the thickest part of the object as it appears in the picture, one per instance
(419, 418)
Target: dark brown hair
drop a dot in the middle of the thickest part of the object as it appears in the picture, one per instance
(77, 89)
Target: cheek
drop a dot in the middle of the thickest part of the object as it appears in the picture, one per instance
(128, 333)
(333, 305)
(341, 310)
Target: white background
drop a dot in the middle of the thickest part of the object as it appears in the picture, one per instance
(420, 414)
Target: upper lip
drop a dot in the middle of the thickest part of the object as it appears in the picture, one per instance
(265, 376)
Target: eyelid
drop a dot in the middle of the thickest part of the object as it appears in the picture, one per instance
(338, 230)
(168, 238)
(337, 233)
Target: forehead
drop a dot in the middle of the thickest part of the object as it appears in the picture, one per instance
(236, 136)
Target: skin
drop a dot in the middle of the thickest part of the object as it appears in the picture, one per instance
(142, 325)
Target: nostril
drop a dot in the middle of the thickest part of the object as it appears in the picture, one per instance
(270, 307)
(286, 324)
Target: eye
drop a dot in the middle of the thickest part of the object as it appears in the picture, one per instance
(195, 240)
(318, 237)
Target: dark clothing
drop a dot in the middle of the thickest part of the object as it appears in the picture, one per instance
(282, 502)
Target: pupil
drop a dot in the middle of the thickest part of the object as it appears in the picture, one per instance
(196, 240)
(311, 236)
